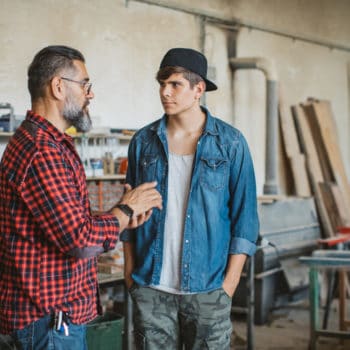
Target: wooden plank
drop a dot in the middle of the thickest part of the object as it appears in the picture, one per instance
(300, 178)
(319, 144)
(307, 144)
(328, 131)
(338, 196)
(289, 132)
(342, 300)
(295, 158)
(313, 166)
(333, 202)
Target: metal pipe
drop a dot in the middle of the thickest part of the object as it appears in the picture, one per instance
(251, 303)
(271, 167)
(202, 47)
(264, 64)
(271, 151)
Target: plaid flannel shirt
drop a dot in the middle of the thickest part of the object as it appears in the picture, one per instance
(49, 239)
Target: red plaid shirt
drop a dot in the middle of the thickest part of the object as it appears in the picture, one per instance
(48, 238)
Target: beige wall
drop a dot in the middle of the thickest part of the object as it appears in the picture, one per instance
(123, 42)
(122, 45)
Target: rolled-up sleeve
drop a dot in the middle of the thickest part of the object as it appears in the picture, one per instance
(243, 202)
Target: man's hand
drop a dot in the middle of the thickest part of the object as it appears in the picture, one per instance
(142, 199)
(139, 220)
(233, 273)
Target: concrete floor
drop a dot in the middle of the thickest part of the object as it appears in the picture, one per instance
(287, 329)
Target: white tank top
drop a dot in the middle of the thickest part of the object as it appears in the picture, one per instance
(179, 181)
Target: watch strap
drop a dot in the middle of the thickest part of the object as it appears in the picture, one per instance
(125, 209)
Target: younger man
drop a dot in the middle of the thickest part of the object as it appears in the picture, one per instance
(182, 266)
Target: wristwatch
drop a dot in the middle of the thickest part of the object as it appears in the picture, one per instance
(125, 209)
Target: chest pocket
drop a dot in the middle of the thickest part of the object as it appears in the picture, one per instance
(148, 167)
(213, 172)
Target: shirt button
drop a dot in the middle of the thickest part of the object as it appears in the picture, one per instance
(188, 216)
(185, 266)
(186, 241)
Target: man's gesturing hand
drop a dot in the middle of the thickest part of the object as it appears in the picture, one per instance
(142, 199)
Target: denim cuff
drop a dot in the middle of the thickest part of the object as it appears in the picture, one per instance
(242, 246)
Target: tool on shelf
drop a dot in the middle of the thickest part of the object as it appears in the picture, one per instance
(7, 118)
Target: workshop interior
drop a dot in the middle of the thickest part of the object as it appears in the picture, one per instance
(283, 74)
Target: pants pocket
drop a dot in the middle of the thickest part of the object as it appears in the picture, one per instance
(224, 292)
(133, 288)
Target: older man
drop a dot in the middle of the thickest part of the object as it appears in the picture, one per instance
(48, 236)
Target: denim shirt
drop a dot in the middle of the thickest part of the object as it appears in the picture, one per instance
(221, 217)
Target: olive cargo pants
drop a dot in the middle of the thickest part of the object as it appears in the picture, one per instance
(171, 321)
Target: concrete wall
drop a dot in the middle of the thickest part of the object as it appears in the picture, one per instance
(123, 42)
(304, 71)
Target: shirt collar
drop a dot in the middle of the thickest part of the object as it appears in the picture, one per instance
(44, 124)
(210, 124)
(209, 128)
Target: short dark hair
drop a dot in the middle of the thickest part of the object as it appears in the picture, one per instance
(166, 72)
(46, 64)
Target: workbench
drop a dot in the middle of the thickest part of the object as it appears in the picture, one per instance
(322, 260)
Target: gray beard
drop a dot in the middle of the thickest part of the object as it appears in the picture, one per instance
(77, 116)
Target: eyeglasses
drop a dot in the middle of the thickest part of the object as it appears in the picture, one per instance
(85, 84)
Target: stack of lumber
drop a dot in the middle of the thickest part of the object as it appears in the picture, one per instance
(312, 149)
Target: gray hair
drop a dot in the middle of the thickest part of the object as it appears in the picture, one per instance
(47, 63)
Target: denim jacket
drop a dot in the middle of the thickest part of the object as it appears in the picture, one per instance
(221, 216)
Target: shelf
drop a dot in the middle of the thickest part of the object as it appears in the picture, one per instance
(120, 137)
(6, 133)
(106, 177)
(125, 137)
(108, 278)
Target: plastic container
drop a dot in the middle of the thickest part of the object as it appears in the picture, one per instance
(105, 332)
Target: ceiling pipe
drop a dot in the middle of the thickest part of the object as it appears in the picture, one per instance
(268, 68)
